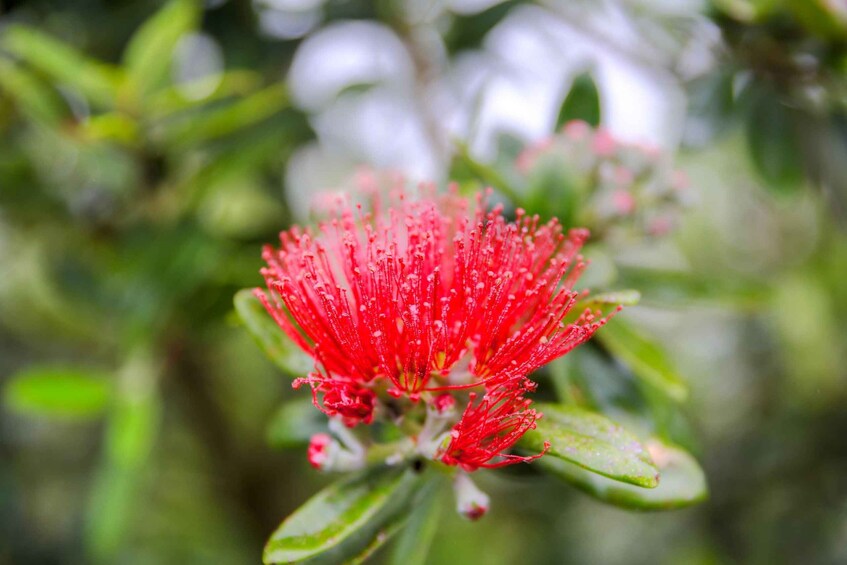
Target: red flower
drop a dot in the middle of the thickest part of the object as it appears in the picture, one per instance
(492, 425)
(428, 296)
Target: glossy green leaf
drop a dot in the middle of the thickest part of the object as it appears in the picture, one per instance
(681, 481)
(295, 423)
(647, 360)
(773, 145)
(95, 81)
(149, 55)
(57, 393)
(412, 547)
(281, 350)
(345, 519)
(581, 103)
(592, 441)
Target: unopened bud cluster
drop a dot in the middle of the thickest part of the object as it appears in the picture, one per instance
(608, 184)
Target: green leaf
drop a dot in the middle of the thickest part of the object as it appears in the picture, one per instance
(592, 441)
(662, 286)
(205, 125)
(824, 19)
(130, 436)
(237, 82)
(682, 482)
(712, 108)
(467, 31)
(35, 99)
(95, 81)
(295, 423)
(149, 55)
(485, 174)
(278, 347)
(111, 126)
(647, 360)
(581, 103)
(345, 519)
(556, 188)
(416, 538)
(57, 393)
(605, 302)
(773, 145)
(747, 10)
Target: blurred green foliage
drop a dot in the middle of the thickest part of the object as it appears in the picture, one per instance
(133, 202)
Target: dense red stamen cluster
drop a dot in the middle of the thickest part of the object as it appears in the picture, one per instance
(491, 426)
(430, 296)
(352, 402)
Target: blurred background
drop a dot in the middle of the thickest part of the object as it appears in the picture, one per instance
(149, 149)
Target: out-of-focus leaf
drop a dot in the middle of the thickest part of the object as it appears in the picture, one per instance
(824, 143)
(605, 300)
(467, 31)
(711, 107)
(111, 126)
(824, 19)
(772, 141)
(659, 286)
(805, 318)
(237, 206)
(600, 383)
(57, 393)
(681, 480)
(412, 547)
(555, 189)
(95, 81)
(281, 350)
(238, 155)
(747, 10)
(130, 436)
(485, 174)
(593, 442)
(208, 124)
(581, 103)
(231, 83)
(36, 100)
(345, 519)
(149, 55)
(647, 360)
(295, 423)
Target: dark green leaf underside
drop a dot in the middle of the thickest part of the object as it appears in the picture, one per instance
(647, 360)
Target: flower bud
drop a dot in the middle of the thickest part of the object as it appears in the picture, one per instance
(328, 454)
(471, 502)
(318, 450)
